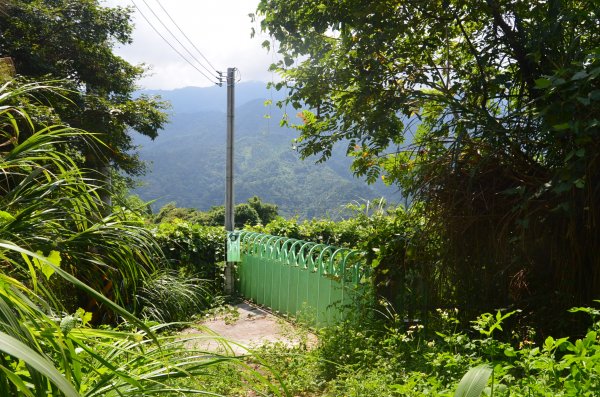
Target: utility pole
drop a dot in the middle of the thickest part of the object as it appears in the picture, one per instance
(229, 209)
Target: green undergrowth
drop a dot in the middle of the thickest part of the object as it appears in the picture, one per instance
(361, 358)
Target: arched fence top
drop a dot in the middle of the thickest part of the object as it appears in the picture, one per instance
(343, 263)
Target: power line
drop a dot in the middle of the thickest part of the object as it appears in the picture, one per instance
(187, 38)
(171, 45)
(177, 40)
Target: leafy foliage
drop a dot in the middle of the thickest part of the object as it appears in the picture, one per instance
(486, 112)
(267, 212)
(51, 229)
(74, 41)
(250, 213)
(170, 296)
(244, 215)
(396, 358)
(50, 207)
(196, 249)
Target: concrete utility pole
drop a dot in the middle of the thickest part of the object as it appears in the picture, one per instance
(229, 209)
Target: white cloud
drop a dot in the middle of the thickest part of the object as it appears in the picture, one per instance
(219, 28)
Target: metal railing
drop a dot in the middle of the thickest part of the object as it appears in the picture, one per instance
(317, 282)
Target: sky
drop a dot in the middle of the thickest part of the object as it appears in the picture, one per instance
(220, 29)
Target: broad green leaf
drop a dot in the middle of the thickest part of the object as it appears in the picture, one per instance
(45, 267)
(5, 217)
(510, 352)
(549, 343)
(558, 81)
(583, 100)
(561, 127)
(542, 83)
(67, 324)
(474, 381)
(85, 317)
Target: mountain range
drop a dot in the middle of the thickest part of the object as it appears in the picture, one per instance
(186, 163)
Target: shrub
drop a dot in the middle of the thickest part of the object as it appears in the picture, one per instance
(363, 357)
(169, 296)
(198, 250)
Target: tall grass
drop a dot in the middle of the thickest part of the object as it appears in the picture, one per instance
(169, 296)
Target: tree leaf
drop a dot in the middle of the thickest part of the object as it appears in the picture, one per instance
(542, 83)
(561, 127)
(47, 269)
(84, 316)
(474, 381)
(5, 217)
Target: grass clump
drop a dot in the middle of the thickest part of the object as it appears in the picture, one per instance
(169, 296)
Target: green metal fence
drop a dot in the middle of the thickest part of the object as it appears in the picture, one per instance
(294, 277)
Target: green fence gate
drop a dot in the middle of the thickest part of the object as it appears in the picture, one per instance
(294, 277)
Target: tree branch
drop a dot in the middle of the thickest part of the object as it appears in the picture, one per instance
(528, 69)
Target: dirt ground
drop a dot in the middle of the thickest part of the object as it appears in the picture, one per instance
(237, 333)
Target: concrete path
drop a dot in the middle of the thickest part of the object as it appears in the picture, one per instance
(250, 328)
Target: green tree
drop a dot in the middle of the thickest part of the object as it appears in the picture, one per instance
(74, 40)
(170, 212)
(251, 213)
(267, 212)
(244, 215)
(487, 111)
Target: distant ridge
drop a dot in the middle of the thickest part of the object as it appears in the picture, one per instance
(187, 160)
(196, 99)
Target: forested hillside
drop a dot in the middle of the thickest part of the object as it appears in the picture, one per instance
(187, 161)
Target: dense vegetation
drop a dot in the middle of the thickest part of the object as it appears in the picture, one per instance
(66, 264)
(502, 100)
(472, 280)
(252, 212)
(410, 351)
(73, 41)
(82, 280)
(363, 358)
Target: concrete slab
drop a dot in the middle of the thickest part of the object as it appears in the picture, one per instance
(250, 328)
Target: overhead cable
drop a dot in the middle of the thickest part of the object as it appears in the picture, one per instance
(211, 79)
(177, 39)
(186, 37)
